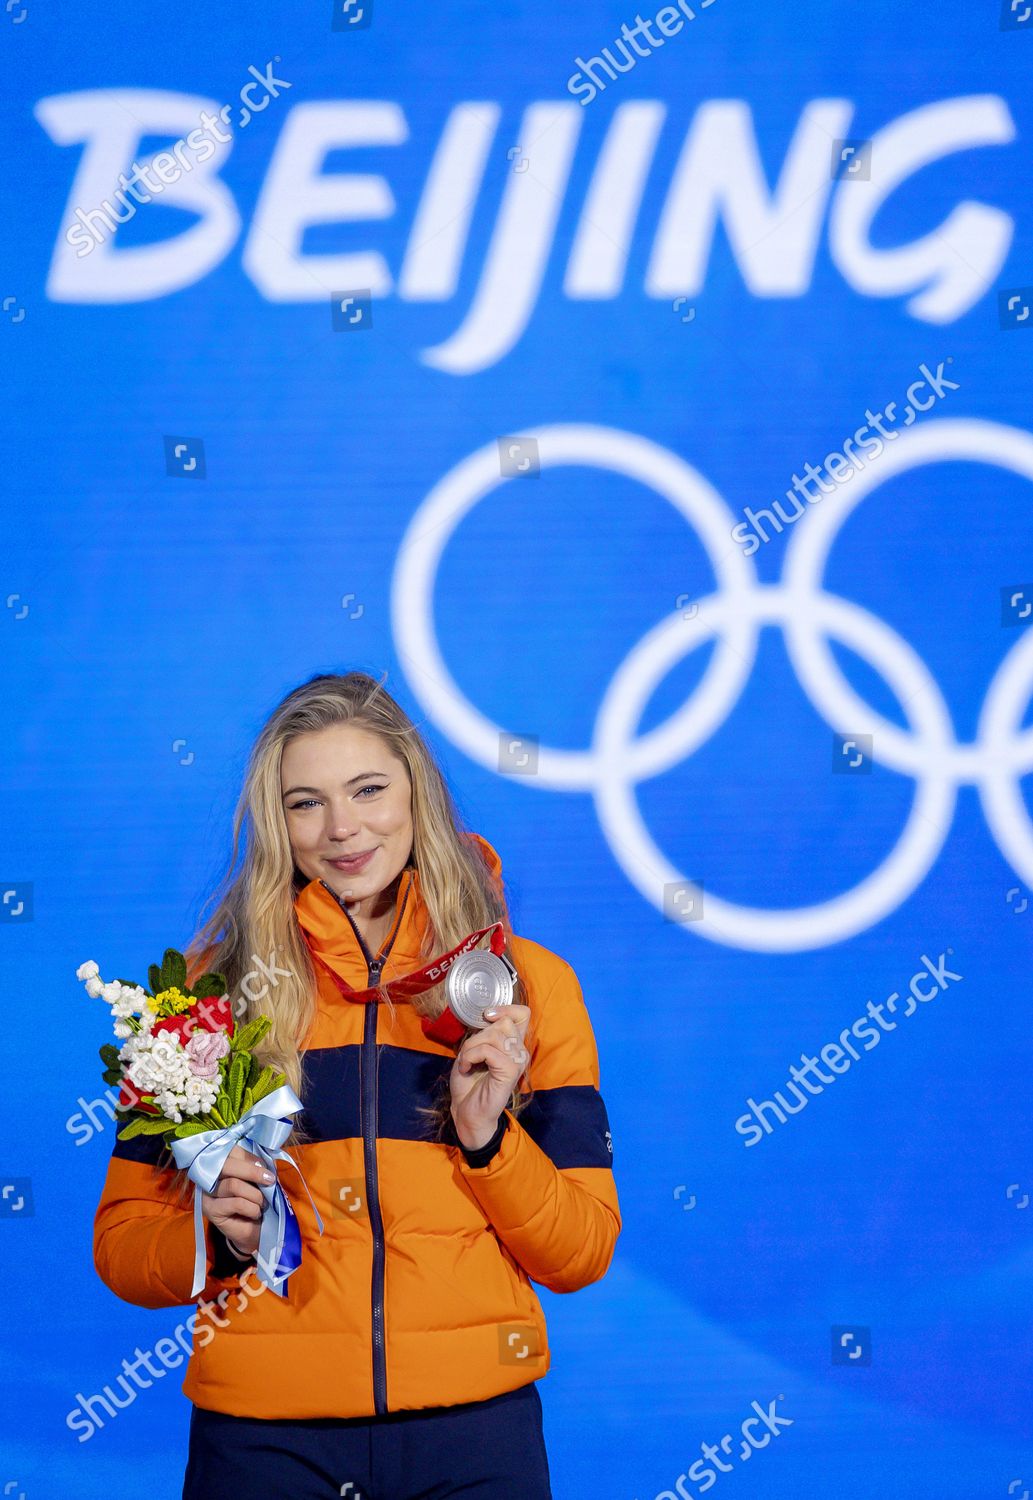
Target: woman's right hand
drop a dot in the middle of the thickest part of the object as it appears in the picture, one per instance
(235, 1204)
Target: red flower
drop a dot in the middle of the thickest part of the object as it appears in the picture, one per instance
(130, 1098)
(182, 1025)
(210, 1014)
(215, 1011)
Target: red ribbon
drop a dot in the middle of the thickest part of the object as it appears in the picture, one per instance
(447, 1027)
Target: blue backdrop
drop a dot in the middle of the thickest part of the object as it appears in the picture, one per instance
(480, 348)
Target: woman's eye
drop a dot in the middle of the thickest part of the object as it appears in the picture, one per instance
(313, 801)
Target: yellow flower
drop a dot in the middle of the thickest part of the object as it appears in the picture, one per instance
(170, 1002)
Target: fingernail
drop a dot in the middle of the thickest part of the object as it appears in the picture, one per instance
(268, 1176)
(491, 1012)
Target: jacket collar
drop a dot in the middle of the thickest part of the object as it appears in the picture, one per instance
(332, 936)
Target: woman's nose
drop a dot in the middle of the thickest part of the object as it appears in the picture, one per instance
(343, 826)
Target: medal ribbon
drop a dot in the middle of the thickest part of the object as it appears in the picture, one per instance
(447, 1027)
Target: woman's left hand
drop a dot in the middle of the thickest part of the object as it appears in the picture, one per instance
(486, 1070)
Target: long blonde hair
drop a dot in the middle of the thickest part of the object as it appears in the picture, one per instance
(254, 916)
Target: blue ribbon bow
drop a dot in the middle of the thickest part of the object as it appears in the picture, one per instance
(263, 1131)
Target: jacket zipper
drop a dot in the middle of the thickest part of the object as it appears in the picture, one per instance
(368, 1059)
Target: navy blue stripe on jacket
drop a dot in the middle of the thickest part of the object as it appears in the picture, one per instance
(569, 1123)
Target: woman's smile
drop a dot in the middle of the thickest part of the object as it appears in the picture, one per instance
(352, 862)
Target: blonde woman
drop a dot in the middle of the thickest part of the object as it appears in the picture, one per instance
(403, 1360)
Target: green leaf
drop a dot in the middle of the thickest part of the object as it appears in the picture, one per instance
(190, 1127)
(235, 1084)
(246, 1038)
(173, 970)
(112, 1075)
(246, 1102)
(254, 1072)
(154, 979)
(268, 1081)
(209, 984)
(109, 1055)
(145, 1125)
(261, 1085)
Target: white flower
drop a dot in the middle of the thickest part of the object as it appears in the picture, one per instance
(167, 1051)
(94, 987)
(158, 1063)
(166, 1102)
(112, 991)
(199, 1096)
(87, 970)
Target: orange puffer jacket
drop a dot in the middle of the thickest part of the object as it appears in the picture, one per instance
(418, 1292)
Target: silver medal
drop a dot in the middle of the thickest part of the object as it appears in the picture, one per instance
(476, 982)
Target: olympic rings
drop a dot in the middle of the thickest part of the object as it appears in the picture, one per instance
(734, 614)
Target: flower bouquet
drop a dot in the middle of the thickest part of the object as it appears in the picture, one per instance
(189, 1074)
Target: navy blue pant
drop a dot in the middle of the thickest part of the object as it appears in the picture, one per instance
(492, 1450)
